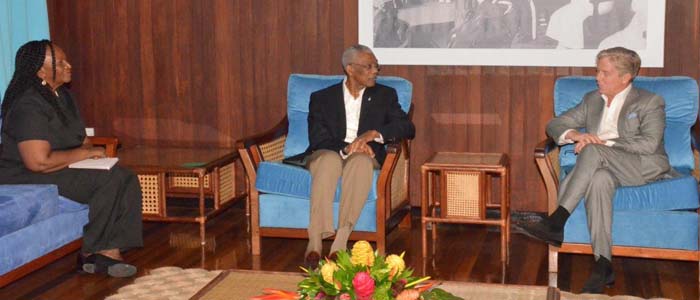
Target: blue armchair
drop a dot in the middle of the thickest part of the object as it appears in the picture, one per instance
(279, 193)
(656, 220)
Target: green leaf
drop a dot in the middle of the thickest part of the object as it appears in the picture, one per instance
(382, 292)
(439, 294)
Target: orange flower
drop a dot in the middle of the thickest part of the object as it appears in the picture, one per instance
(411, 294)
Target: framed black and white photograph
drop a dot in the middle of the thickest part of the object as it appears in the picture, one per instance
(510, 32)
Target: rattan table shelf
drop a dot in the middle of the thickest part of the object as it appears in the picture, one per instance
(193, 173)
(456, 187)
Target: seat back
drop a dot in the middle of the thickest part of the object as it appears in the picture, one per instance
(680, 94)
(299, 89)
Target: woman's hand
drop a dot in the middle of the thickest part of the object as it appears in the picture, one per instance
(37, 155)
(94, 152)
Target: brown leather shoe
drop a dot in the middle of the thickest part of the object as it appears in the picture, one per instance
(333, 256)
(311, 260)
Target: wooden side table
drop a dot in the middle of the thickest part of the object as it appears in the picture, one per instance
(463, 182)
(197, 173)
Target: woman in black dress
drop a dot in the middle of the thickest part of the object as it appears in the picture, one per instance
(42, 133)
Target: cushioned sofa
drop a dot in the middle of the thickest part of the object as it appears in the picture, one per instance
(37, 226)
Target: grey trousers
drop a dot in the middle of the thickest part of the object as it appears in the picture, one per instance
(326, 168)
(598, 172)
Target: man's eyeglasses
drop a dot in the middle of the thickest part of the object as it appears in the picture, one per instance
(369, 67)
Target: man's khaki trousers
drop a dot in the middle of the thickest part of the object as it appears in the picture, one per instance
(326, 168)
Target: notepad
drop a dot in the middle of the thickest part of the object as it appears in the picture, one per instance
(95, 163)
(193, 164)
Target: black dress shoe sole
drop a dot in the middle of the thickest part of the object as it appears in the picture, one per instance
(538, 236)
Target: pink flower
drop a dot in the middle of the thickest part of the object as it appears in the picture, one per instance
(320, 296)
(345, 296)
(364, 285)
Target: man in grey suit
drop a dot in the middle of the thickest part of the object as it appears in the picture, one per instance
(622, 145)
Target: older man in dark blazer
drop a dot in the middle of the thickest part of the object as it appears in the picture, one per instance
(348, 125)
(622, 145)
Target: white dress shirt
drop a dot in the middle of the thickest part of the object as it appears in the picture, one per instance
(353, 107)
(607, 130)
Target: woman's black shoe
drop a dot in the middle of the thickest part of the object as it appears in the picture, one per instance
(107, 265)
(84, 259)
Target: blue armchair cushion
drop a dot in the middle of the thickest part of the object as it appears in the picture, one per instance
(24, 205)
(291, 212)
(680, 94)
(31, 242)
(287, 180)
(679, 193)
(299, 89)
(668, 194)
(654, 229)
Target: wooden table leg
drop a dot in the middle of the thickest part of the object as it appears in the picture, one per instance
(202, 216)
(504, 232)
(423, 212)
(505, 194)
(436, 202)
(203, 257)
(504, 249)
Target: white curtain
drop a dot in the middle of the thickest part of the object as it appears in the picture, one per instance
(20, 22)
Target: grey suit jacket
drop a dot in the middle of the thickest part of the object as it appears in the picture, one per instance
(640, 126)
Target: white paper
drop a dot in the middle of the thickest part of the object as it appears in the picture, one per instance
(95, 163)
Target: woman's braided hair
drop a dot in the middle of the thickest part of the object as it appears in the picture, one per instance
(29, 59)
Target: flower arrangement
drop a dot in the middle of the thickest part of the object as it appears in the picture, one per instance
(361, 274)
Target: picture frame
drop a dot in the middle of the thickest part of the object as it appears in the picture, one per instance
(446, 32)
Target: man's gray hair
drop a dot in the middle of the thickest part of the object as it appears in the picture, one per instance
(351, 52)
(625, 60)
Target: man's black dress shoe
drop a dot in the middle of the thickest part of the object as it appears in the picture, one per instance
(601, 276)
(543, 231)
(311, 260)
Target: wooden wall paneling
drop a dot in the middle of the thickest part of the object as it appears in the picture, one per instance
(141, 129)
(476, 128)
(420, 150)
(242, 39)
(350, 20)
(199, 70)
(117, 70)
(225, 64)
(264, 39)
(183, 72)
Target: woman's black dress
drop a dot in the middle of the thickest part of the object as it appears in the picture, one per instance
(114, 196)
